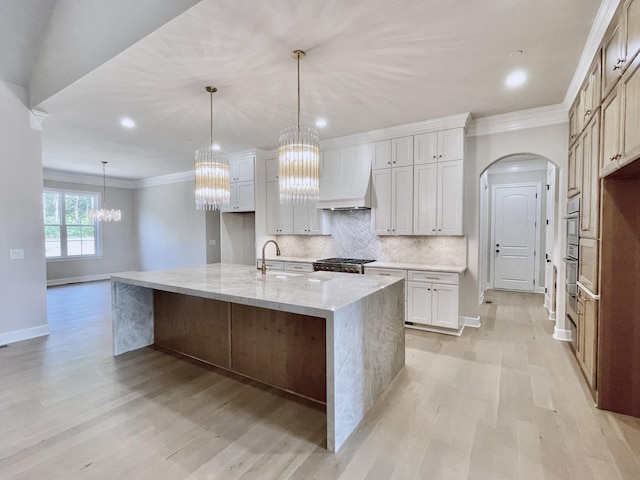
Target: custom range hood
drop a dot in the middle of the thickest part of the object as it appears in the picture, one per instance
(345, 180)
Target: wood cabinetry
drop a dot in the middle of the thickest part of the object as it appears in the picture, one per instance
(631, 29)
(610, 136)
(588, 264)
(392, 201)
(587, 345)
(575, 169)
(611, 58)
(590, 95)
(574, 128)
(620, 120)
(433, 299)
(630, 122)
(589, 208)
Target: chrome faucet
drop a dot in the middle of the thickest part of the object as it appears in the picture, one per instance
(263, 269)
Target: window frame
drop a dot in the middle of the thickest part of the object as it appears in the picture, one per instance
(64, 255)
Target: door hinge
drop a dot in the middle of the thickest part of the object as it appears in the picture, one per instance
(547, 221)
(534, 282)
(545, 289)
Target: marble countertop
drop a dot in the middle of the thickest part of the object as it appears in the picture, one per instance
(313, 293)
(418, 266)
(382, 264)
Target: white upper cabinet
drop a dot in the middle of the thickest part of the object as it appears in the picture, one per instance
(381, 154)
(392, 203)
(402, 152)
(441, 146)
(425, 195)
(438, 198)
(242, 173)
(425, 148)
(272, 170)
(450, 196)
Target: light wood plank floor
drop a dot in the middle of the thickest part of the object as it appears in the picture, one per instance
(505, 401)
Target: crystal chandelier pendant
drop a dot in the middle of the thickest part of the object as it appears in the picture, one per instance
(299, 159)
(213, 186)
(299, 166)
(105, 214)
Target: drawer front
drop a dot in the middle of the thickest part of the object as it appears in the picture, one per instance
(298, 267)
(271, 265)
(437, 277)
(389, 272)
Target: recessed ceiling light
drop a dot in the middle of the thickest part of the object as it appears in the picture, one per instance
(516, 79)
(126, 122)
(321, 122)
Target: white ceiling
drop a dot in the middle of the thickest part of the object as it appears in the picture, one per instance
(370, 64)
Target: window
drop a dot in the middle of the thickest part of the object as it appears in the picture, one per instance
(68, 232)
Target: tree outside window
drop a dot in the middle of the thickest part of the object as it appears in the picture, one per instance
(68, 231)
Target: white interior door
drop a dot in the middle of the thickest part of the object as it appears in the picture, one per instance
(514, 236)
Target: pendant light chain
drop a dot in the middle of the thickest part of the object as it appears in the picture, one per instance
(104, 183)
(298, 55)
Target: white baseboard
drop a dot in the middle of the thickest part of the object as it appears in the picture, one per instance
(473, 322)
(87, 278)
(481, 299)
(25, 334)
(562, 335)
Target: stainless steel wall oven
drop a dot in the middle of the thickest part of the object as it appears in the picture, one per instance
(571, 260)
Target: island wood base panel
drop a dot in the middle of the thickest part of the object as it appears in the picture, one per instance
(282, 349)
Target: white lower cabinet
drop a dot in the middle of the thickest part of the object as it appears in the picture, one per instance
(298, 267)
(433, 300)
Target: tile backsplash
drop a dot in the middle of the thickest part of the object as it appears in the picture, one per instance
(351, 237)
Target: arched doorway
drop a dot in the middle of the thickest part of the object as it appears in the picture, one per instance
(518, 202)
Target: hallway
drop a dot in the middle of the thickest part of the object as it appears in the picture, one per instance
(505, 401)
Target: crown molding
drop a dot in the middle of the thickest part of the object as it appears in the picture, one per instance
(523, 119)
(36, 117)
(86, 179)
(433, 125)
(599, 27)
(188, 176)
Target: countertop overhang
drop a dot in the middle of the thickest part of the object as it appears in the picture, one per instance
(314, 293)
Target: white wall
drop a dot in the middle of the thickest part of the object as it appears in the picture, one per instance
(23, 294)
(119, 247)
(549, 142)
(170, 231)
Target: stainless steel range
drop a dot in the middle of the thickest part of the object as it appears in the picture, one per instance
(345, 265)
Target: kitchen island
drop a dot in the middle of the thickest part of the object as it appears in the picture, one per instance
(335, 338)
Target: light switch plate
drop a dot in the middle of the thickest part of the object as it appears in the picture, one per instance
(16, 254)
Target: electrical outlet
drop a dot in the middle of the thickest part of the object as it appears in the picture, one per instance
(16, 254)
